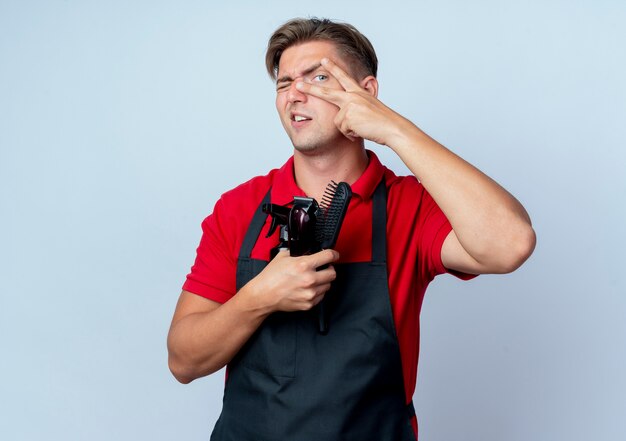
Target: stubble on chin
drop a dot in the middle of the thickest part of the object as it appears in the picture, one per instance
(312, 149)
(314, 145)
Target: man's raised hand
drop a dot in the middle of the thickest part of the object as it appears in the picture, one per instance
(361, 114)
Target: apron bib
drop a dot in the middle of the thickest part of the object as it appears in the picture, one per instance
(289, 382)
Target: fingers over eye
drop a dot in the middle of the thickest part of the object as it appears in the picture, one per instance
(346, 81)
(334, 96)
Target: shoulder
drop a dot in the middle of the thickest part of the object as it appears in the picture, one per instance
(410, 204)
(250, 191)
(404, 190)
(248, 195)
(236, 207)
(243, 200)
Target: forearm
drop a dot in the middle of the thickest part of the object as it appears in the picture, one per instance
(203, 342)
(491, 225)
(204, 337)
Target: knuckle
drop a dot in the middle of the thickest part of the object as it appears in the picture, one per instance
(308, 280)
(311, 300)
(304, 306)
(302, 265)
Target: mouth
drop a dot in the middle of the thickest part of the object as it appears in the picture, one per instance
(298, 118)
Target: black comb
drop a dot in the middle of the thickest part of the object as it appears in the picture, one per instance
(332, 211)
(333, 208)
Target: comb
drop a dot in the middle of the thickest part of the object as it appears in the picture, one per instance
(332, 211)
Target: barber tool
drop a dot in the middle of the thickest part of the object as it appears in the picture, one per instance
(297, 221)
(334, 206)
(307, 227)
(280, 217)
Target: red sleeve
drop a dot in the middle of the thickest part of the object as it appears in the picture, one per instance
(434, 228)
(213, 273)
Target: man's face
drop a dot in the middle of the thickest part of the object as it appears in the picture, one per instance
(308, 120)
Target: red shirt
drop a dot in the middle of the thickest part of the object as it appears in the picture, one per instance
(416, 229)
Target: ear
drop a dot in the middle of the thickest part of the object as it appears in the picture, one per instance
(370, 83)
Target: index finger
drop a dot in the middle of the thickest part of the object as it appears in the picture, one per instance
(323, 257)
(334, 96)
(346, 81)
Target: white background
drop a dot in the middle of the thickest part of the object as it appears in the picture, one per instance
(122, 122)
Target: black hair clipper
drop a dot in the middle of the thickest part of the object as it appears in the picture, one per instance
(297, 221)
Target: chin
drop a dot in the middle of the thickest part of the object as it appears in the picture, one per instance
(306, 145)
(317, 145)
(312, 149)
(302, 147)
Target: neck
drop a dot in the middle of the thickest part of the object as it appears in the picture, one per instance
(313, 172)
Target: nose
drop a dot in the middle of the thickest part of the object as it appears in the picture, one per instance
(294, 95)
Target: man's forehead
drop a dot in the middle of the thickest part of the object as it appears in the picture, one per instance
(303, 72)
(298, 59)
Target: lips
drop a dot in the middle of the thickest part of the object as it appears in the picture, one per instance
(299, 117)
(299, 120)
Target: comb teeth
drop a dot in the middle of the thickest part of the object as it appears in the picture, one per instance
(327, 198)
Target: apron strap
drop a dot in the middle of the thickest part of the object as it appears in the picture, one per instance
(254, 229)
(379, 224)
(410, 409)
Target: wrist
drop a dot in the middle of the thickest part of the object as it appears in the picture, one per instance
(252, 301)
(404, 133)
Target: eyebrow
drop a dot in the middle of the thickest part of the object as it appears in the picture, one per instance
(287, 78)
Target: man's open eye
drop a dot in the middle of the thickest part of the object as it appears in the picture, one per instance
(320, 77)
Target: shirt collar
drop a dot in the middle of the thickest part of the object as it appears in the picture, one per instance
(366, 184)
(284, 186)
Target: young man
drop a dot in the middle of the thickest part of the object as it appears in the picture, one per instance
(285, 379)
